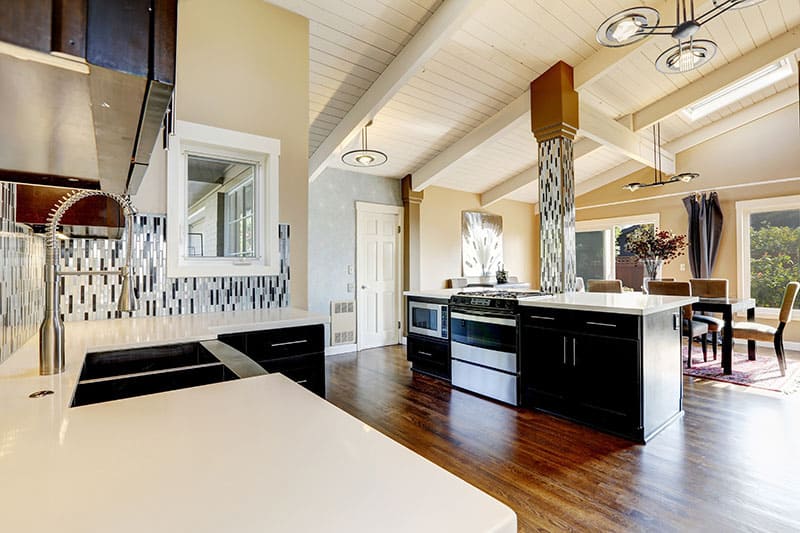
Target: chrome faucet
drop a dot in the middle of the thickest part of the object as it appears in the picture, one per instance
(51, 332)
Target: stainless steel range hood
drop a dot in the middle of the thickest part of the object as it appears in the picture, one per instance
(61, 118)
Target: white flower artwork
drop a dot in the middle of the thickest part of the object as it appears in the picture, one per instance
(481, 243)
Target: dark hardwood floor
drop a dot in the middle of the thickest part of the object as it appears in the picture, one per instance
(731, 463)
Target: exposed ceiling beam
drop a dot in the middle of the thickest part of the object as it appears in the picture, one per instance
(509, 186)
(436, 32)
(505, 189)
(611, 133)
(767, 53)
(600, 63)
(609, 176)
(754, 112)
(494, 127)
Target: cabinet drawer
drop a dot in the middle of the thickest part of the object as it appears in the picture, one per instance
(306, 370)
(428, 351)
(607, 324)
(286, 342)
(545, 317)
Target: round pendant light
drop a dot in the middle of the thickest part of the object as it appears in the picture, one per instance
(686, 56)
(364, 157)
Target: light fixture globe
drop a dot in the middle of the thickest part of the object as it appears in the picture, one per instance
(685, 177)
(686, 56)
(628, 26)
(364, 158)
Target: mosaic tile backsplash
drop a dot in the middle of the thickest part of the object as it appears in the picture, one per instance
(21, 260)
(94, 297)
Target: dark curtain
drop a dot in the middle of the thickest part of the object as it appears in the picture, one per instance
(705, 231)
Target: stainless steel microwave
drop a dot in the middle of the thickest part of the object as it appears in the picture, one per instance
(427, 318)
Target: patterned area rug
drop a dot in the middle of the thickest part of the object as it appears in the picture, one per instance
(763, 373)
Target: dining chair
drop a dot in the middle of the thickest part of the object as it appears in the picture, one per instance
(762, 332)
(710, 288)
(604, 285)
(691, 327)
(647, 280)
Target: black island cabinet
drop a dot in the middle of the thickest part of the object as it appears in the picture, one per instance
(296, 352)
(620, 373)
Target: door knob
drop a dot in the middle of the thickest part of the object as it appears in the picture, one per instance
(364, 287)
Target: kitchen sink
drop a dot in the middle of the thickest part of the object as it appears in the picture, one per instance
(119, 374)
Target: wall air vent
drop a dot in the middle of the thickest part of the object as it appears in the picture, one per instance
(343, 323)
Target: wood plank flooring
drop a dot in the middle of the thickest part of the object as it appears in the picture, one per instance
(732, 463)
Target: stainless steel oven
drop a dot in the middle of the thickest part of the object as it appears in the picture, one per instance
(428, 318)
(483, 350)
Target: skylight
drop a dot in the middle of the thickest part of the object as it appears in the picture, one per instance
(736, 91)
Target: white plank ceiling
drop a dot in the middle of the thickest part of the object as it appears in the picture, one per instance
(491, 61)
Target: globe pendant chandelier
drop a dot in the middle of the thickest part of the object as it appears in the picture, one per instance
(637, 23)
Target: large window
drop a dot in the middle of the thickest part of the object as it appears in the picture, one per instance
(768, 232)
(600, 249)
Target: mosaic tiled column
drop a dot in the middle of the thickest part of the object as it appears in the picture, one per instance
(554, 120)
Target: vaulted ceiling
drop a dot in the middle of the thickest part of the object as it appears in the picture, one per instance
(446, 85)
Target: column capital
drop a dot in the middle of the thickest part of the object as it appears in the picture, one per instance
(554, 104)
(410, 196)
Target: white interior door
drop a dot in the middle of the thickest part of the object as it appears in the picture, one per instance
(378, 274)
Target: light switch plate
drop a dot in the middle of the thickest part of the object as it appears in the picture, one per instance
(350, 287)
(350, 269)
(683, 267)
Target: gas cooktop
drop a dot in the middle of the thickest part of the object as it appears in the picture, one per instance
(492, 298)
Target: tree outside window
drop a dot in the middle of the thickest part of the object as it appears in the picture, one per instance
(774, 255)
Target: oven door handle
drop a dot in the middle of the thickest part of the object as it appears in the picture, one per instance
(485, 319)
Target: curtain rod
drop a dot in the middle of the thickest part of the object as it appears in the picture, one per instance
(689, 193)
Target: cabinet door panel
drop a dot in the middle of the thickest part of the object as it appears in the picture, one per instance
(545, 371)
(606, 381)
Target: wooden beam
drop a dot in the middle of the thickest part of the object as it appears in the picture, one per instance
(494, 127)
(609, 176)
(611, 133)
(767, 53)
(760, 109)
(530, 175)
(510, 186)
(436, 32)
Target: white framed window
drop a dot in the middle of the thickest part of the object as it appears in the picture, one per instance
(222, 202)
(768, 250)
(598, 250)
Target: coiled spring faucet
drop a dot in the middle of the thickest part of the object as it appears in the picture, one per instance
(51, 332)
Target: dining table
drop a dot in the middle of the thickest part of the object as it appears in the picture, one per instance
(727, 307)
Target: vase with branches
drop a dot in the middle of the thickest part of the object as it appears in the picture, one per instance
(654, 248)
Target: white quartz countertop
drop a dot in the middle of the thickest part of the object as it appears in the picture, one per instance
(628, 303)
(256, 454)
(438, 294)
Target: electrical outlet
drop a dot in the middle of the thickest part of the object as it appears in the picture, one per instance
(683, 267)
(350, 287)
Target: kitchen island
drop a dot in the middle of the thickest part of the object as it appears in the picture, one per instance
(612, 361)
(255, 454)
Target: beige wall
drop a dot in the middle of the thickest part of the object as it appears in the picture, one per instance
(440, 236)
(243, 65)
(766, 149)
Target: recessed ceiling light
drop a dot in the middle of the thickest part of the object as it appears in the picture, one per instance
(736, 91)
